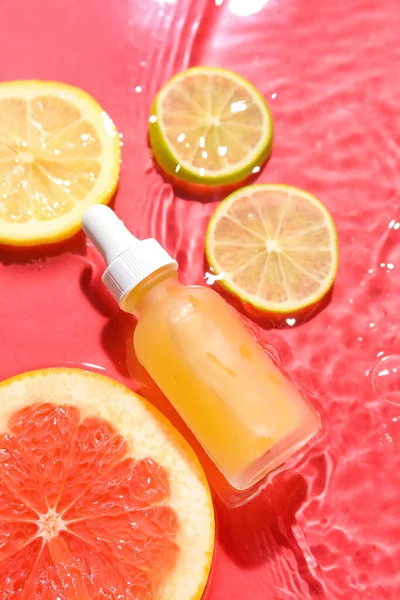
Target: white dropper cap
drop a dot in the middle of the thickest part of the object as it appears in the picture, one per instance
(129, 260)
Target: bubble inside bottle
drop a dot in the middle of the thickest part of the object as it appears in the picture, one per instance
(386, 378)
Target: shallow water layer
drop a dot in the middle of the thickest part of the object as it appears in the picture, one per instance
(328, 526)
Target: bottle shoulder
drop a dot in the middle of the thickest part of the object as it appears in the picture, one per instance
(181, 299)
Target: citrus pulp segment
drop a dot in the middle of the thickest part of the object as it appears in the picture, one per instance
(99, 494)
(274, 246)
(59, 153)
(211, 126)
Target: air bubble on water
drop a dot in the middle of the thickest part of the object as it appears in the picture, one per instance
(385, 377)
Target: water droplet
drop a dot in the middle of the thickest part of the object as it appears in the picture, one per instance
(385, 378)
(238, 106)
(211, 278)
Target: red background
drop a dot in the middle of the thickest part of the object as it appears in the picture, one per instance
(328, 526)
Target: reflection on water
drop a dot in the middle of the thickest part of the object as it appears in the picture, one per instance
(244, 8)
(211, 278)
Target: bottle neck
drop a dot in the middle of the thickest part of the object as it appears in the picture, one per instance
(158, 285)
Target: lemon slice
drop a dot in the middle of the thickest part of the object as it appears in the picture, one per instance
(274, 246)
(210, 126)
(59, 153)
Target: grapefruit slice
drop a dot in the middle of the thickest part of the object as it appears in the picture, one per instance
(100, 497)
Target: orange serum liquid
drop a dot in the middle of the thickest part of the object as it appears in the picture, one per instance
(248, 417)
(245, 413)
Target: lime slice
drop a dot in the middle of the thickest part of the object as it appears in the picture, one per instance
(210, 126)
(273, 246)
